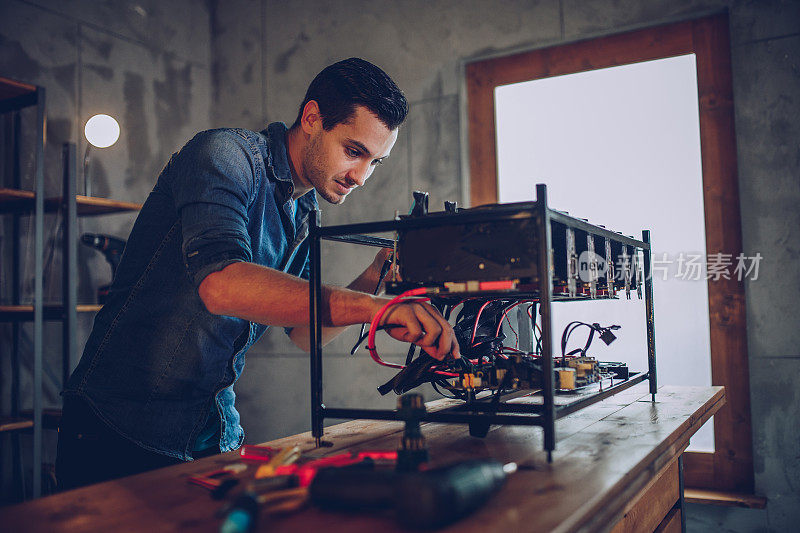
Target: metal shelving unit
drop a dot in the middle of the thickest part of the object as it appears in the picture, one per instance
(71, 206)
(543, 222)
(17, 202)
(15, 96)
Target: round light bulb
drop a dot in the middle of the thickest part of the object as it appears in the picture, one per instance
(102, 131)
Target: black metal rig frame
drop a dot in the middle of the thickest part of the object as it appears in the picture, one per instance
(479, 411)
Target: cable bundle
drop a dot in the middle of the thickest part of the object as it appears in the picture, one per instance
(478, 329)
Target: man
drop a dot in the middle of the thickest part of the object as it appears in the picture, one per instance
(218, 252)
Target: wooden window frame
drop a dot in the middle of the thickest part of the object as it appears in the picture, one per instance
(730, 466)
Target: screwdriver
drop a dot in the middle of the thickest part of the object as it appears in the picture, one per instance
(428, 499)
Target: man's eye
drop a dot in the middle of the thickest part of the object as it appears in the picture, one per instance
(376, 162)
(351, 152)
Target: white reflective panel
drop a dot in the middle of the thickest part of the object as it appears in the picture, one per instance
(621, 147)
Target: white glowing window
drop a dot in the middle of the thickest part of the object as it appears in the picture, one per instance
(621, 147)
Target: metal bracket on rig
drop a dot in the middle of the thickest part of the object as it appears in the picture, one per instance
(412, 451)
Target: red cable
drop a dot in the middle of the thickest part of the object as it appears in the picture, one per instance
(505, 315)
(500, 325)
(515, 350)
(530, 314)
(443, 373)
(373, 327)
(477, 318)
(502, 318)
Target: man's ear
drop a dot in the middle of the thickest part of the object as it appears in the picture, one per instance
(311, 119)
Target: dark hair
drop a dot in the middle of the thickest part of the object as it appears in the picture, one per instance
(340, 87)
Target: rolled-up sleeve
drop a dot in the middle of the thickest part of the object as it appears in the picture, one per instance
(213, 180)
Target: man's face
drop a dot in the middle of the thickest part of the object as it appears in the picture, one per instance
(341, 159)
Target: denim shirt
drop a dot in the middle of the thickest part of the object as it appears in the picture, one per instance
(157, 362)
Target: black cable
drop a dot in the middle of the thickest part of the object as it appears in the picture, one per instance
(442, 383)
(500, 386)
(604, 331)
(364, 336)
(384, 270)
(413, 375)
(484, 326)
(436, 388)
(410, 354)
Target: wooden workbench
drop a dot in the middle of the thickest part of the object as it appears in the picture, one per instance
(615, 467)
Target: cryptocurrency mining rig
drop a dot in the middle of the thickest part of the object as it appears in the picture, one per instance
(480, 264)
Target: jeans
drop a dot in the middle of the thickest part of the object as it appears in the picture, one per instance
(90, 452)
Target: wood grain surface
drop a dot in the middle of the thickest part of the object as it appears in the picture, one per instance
(606, 455)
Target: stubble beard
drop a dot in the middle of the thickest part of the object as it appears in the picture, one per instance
(314, 171)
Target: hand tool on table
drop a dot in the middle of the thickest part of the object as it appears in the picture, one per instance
(218, 480)
(252, 452)
(286, 487)
(242, 515)
(286, 456)
(306, 472)
(426, 499)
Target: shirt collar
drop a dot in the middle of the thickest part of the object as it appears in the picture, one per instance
(278, 156)
(279, 162)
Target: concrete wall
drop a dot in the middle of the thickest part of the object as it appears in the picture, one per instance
(167, 69)
(420, 44)
(145, 62)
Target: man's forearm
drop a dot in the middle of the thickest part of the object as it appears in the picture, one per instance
(267, 296)
(365, 282)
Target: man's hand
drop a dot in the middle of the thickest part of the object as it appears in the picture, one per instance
(383, 256)
(424, 326)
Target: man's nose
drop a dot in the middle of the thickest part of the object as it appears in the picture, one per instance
(359, 174)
